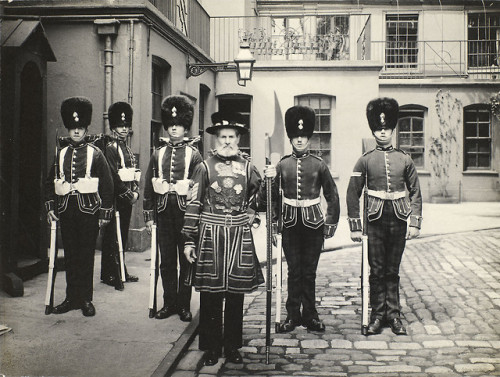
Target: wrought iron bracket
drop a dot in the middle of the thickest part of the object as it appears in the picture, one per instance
(197, 69)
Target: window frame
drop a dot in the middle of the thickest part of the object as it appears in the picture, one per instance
(400, 48)
(331, 99)
(490, 39)
(160, 80)
(477, 108)
(412, 150)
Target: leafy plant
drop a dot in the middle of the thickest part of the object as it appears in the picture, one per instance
(495, 104)
(444, 147)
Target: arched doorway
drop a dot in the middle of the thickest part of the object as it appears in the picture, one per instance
(30, 163)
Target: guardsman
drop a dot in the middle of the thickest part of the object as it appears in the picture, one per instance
(83, 195)
(394, 195)
(218, 239)
(126, 177)
(302, 176)
(167, 186)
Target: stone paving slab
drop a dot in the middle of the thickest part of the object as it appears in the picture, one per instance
(449, 305)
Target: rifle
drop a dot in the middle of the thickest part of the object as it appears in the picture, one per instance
(279, 279)
(51, 279)
(269, 234)
(364, 267)
(154, 262)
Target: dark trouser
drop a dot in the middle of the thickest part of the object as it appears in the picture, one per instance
(110, 262)
(302, 247)
(170, 222)
(386, 243)
(79, 234)
(213, 336)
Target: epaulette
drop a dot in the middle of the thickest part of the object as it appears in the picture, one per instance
(313, 155)
(285, 156)
(402, 151)
(370, 151)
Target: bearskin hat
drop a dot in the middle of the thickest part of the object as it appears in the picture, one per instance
(300, 121)
(76, 112)
(177, 110)
(382, 112)
(120, 114)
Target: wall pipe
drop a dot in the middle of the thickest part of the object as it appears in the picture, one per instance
(131, 49)
(108, 79)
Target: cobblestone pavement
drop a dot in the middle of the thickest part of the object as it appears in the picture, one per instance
(450, 298)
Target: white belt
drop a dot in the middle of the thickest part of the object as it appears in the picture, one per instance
(387, 195)
(301, 202)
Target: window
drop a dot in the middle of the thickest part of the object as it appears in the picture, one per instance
(240, 104)
(159, 78)
(410, 133)
(401, 49)
(322, 138)
(477, 137)
(483, 33)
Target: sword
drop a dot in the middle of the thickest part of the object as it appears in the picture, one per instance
(154, 263)
(51, 279)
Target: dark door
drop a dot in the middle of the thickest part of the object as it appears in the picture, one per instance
(30, 163)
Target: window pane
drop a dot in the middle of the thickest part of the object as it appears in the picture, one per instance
(325, 140)
(484, 130)
(483, 161)
(325, 103)
(315, 141)
(404, 124)
(471, 146)
(314, 102)
(470, 130)
(418, 124)
(418, 140)
(483, 116)
(404, 140)
(484, 146)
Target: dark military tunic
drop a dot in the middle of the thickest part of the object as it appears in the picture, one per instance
(79, 214)
(393, 197)
(119, 156)
(302, 177)
(170, 208)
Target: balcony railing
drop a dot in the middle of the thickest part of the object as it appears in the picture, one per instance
(189, 17)
(273, 38)
(279, 38)
(412, 60)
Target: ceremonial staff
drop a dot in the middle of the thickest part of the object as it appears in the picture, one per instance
(364, 266)
(51, 279)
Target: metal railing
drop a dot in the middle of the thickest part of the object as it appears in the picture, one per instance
(189, 17)
(270, 41)
(456, 58)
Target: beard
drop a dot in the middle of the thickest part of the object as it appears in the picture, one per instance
(227, 150)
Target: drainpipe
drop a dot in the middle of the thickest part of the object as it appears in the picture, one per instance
(108, 28)
(131, 48)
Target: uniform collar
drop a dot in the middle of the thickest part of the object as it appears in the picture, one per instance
(300, 155)
(178, 145)
(385, 149)
(77, 145)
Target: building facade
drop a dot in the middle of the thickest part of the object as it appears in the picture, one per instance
(438, 59)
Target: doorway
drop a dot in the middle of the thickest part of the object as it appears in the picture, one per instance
(29, 170)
